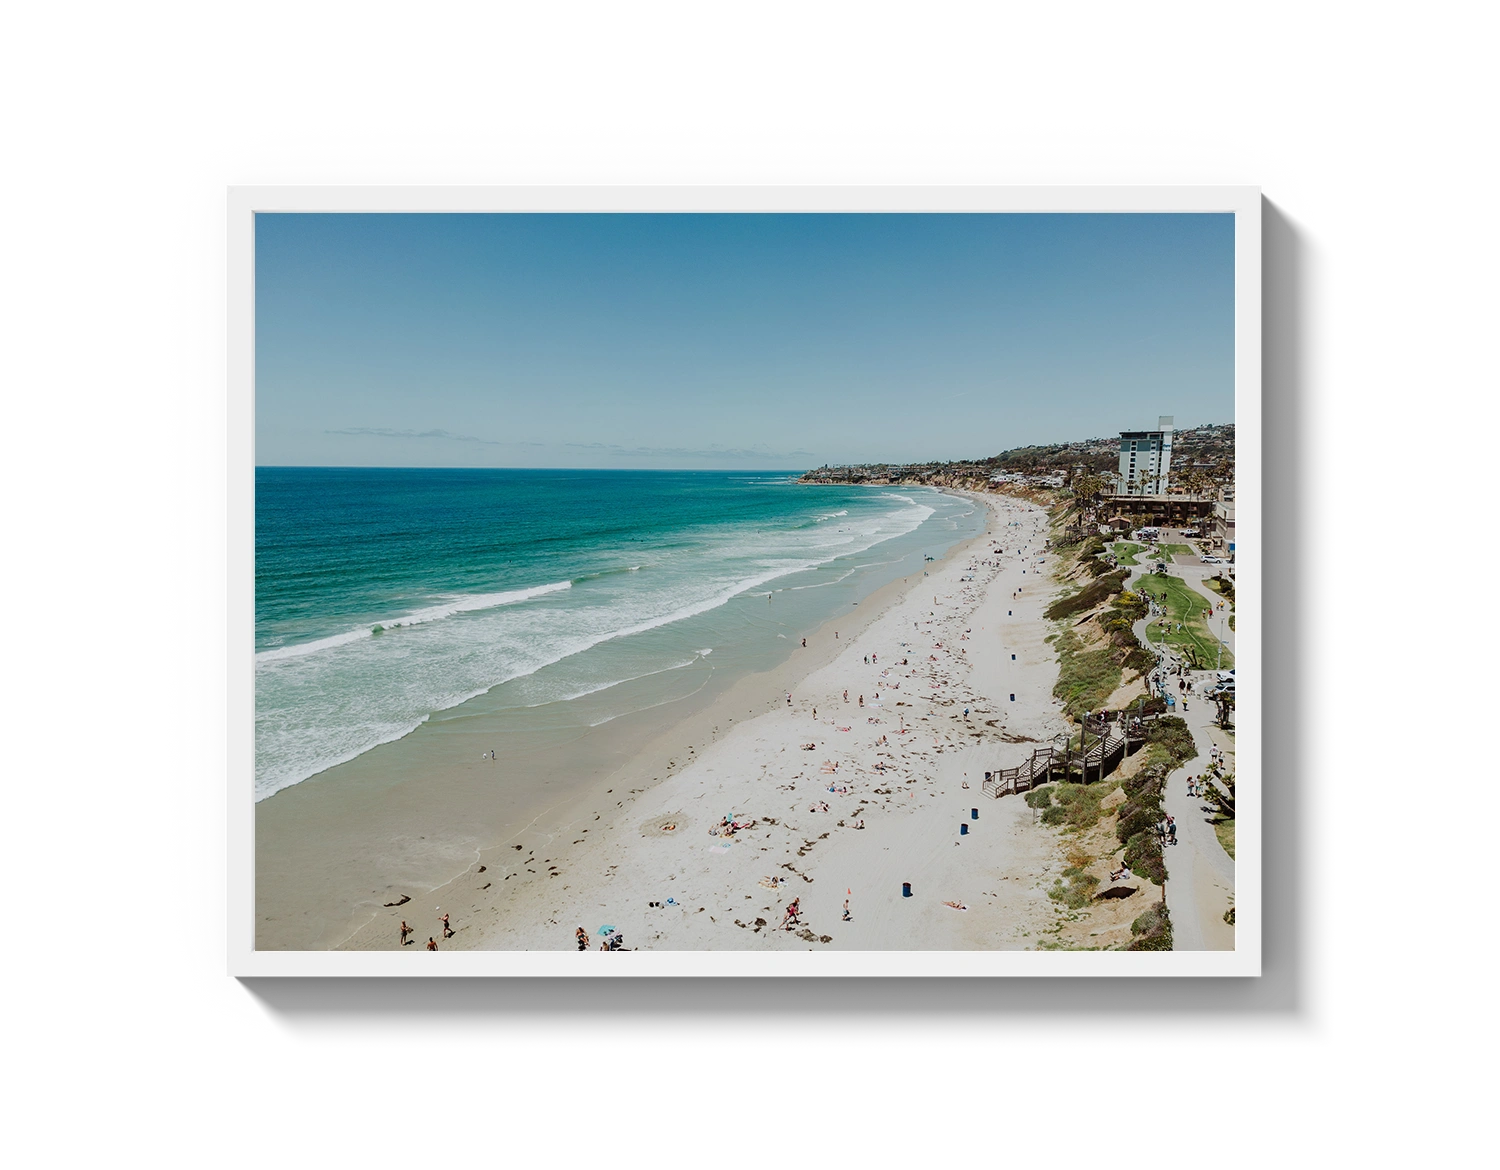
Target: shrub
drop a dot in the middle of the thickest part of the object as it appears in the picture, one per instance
(1085, 678)
(1131, 606)
(1088, 597)
(1039, 797)
(1143, 855)
(1152, 930)
(1134, 819)
(1079, 891)
(1097, 565)
(1077, 804)
(1172, 733)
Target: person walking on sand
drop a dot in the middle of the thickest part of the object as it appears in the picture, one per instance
(846, 909)
(405, 930)
(447, 930)
(431, 943)
(846, 695)
(583, 938)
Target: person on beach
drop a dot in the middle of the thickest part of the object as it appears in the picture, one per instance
(846, 696)
(405, 930)
(804, 643)
(431, 943)
(583, 938)
(447, 930)
(846, 909)
(861, 700)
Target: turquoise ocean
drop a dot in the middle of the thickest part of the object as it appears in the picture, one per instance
(385, 598)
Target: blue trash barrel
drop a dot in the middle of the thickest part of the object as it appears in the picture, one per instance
(973, 814)
(1012, 698)
(906, 889)
(963, 828)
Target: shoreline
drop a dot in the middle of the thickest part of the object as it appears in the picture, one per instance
(332, 851)
(584, 855)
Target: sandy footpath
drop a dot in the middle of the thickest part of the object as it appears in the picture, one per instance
(970, 635)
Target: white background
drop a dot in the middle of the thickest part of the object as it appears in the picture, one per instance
(1370, 129)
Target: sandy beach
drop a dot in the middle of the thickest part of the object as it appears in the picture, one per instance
(955, 679)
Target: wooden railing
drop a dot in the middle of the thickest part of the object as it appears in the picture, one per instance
(1112, 743)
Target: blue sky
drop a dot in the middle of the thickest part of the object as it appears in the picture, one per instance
(767, 341)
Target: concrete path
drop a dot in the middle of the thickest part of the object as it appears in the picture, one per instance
(1200, 875)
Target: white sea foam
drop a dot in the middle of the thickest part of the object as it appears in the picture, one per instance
(617, 682)
(317, 710)
(469, 603)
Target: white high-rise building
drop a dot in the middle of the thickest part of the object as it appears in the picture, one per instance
(1145, 460)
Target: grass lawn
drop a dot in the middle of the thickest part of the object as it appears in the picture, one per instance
(1125, 552)
(1224, 831)
(1186, 605)
(1218, 586)
(1178, 550)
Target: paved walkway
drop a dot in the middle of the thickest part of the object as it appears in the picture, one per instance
(1200, 875)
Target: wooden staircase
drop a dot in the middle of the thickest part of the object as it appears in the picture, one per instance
(1112, 743)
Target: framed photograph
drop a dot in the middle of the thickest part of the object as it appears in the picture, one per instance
(744, 581)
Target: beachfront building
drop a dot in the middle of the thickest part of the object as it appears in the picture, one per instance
(1222, 532)
(1145, 460)
(1174, 511)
